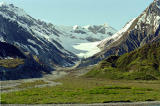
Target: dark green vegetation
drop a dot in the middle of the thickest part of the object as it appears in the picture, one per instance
(86, 90)
(141, 64)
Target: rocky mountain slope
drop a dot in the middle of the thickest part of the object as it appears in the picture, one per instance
(16, 65)
(140, 64)
(138, 32)
(31, 35)
(10, 51)
(54, 45)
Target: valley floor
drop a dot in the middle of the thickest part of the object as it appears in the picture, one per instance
(68, 86)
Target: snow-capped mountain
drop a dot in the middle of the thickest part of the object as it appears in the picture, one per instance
(33, 36)
(51, 43)
(138, 32)
(107, 41)
(83, 40)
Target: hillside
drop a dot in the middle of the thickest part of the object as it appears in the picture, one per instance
(31, 35)
(16, 65)
(135, 34)
(140, 64)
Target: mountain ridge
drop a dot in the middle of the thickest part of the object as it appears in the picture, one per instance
(27, 37)
(143, 30)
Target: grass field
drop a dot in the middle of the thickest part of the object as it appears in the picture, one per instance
(31, 84)
(85, 90)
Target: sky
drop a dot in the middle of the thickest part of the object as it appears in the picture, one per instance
(115, 13)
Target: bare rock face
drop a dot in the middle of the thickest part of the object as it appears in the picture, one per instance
(10, 51)
(138, 32)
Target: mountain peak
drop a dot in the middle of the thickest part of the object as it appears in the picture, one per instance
(75, 27)
(86, 27)
(8, 8)
(6, 5)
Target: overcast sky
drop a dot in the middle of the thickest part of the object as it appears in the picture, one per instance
(83, 12)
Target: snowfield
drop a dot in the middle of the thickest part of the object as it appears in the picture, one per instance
(88, 49)
(83, 40)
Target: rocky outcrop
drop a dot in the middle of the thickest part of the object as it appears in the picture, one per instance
(10, 51)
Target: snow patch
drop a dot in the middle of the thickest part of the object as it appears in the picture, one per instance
(34, 49)
(89, 49)
(31, 41)
(86, 27)
(75, 27)
(1, 39)
(118, 35)
(156, 23)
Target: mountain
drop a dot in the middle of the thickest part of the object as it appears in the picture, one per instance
(109, 40)
(16, 65)
(140, 64)
(138, 32)
(52, 44)
(83, 40)
(31, 35)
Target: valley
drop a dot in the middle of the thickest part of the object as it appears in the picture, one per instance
(71, 87)
(44, 63)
